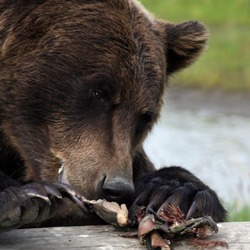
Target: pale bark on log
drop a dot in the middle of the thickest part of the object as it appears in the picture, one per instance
(236, 234)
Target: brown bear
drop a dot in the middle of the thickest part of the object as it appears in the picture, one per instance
(81, 85)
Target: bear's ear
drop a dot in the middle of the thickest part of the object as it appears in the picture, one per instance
(183, 43)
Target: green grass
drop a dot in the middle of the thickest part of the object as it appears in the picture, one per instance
(240, 215)
(226, 62)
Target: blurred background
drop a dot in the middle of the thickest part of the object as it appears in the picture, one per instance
(205, 123)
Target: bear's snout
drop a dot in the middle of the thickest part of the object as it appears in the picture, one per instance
(118, 189)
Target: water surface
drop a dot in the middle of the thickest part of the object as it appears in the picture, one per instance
(209, 134)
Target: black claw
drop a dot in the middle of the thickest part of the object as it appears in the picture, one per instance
(67, 189)
(57, 190)
(192, 210)
(50, 189)
(72, 195)
(27, 205)
(167, 202)
(36, 193)
(81, 205)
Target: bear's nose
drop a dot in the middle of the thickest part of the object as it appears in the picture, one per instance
(119, 190)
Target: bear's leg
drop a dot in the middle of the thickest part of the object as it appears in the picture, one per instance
(6, 181)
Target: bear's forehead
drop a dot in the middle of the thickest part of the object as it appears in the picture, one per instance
(80, 38)
(114, 37)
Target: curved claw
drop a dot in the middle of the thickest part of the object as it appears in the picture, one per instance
(67, 189)
(206, 202)
(72, 194)
(192, 211)
(45, 189)
(37, 191)
(51, 190)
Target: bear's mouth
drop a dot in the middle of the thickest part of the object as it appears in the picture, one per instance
(111, 212)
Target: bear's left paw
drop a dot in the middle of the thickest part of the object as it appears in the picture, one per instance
(179, 187)
(174, 187)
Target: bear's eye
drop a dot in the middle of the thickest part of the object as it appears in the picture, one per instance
(98, 95)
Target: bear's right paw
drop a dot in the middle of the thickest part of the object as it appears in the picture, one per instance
(33, 203)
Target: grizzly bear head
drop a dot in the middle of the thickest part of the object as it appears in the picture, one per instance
(81, 85)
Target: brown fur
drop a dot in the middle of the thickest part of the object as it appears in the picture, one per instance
(52, 54)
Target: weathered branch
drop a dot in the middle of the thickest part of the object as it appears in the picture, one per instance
(236, 234)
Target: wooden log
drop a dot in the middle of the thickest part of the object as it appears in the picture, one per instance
(236, 234)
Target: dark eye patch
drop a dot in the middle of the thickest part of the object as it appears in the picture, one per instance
(99, 95)
(144, 122)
